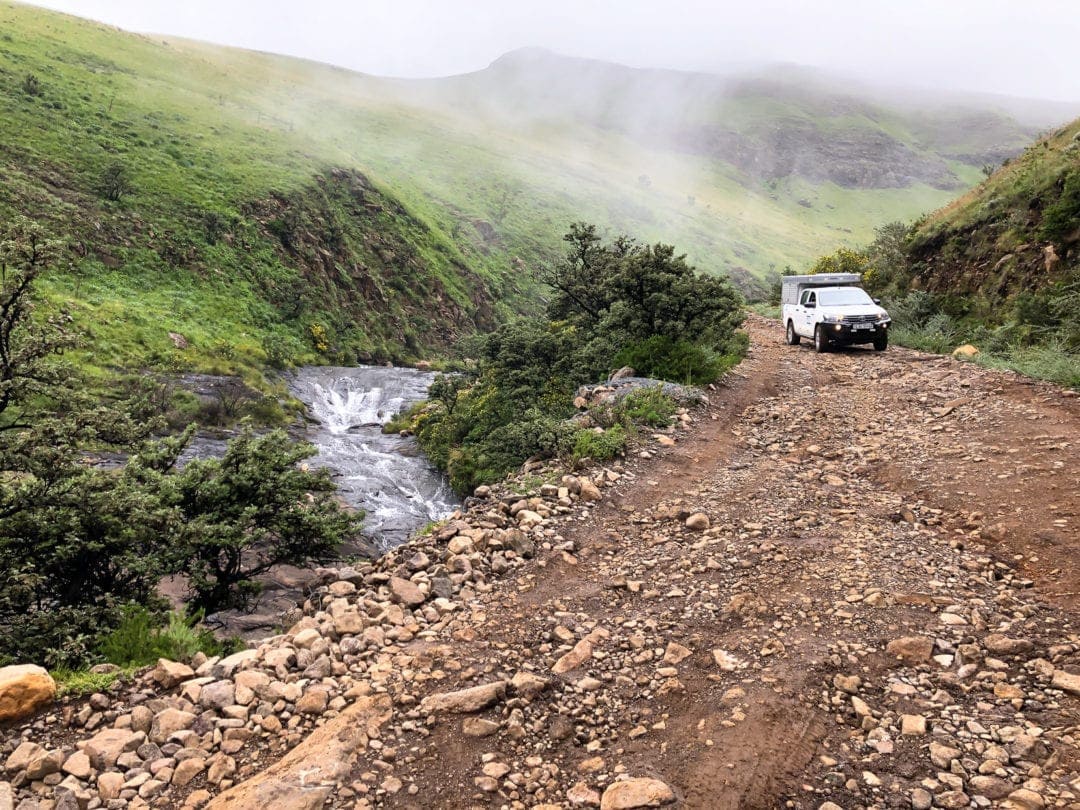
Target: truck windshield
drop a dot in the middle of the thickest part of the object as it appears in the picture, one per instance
(847, 297)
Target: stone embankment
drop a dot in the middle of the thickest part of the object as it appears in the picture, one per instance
(848, 580)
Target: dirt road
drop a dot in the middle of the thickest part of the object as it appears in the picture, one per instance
(850, 581)
(854, 498)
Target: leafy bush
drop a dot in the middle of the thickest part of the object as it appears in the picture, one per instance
(240, 515)
(115, 184)
(665, 358)
(81, 544)
(844, 260)
(612, 305)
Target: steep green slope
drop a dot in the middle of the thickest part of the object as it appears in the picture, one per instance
(1017, 232)
(284, 209)
(231, 234)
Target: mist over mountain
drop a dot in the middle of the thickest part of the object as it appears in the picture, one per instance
(374, 201)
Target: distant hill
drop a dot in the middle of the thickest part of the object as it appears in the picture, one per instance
(284, 209)
(776, 125)
(1016, 232)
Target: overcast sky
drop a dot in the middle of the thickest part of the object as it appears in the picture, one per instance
(1015, 47)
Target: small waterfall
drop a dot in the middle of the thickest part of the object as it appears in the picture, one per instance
(385, 475)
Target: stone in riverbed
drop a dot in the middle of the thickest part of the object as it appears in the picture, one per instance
(632, 793)
(23, 690)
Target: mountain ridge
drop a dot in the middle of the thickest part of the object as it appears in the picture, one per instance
(475, 203)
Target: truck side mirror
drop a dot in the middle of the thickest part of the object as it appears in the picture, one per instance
(877, 301)
(810, 304)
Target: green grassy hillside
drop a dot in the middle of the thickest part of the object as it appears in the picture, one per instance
(1016, 233)
(234, 232)
(284, 210)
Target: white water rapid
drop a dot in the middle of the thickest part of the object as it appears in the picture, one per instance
(385, 475)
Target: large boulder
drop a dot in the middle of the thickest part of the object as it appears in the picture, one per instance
(24, 689)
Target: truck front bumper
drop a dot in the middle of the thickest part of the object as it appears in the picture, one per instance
(850, 334)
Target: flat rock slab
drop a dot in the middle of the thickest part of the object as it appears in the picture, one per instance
(305, 777)
(465, 701)
(632, 793)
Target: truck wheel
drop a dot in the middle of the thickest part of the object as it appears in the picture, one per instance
(821, 340)
(793, 339)
(881, 342)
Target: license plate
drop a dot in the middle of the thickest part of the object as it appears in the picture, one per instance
(863, 326)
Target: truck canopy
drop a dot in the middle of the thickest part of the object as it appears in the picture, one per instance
(794, 285)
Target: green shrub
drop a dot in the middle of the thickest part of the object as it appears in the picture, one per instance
(612, 304)
(600, 446)
(140, 639)
(1062, 216)
(665, 358)
(649, 406)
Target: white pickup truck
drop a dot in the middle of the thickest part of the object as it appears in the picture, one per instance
(831, 308)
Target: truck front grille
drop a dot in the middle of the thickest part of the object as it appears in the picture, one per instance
(860, 318)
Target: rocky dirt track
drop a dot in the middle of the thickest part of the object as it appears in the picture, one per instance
(850, 581)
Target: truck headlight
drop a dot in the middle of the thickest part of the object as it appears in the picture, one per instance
(831, 318)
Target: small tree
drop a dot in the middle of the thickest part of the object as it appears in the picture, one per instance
(249, 511)
(115, 183)
(445, 389)
(28, 347)
(844, 260)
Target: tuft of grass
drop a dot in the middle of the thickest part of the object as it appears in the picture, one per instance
(77, 683)
(1054, 362)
